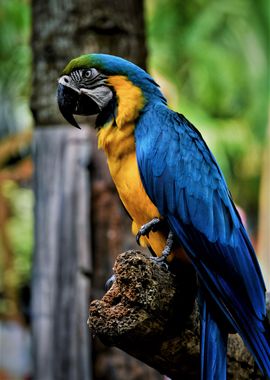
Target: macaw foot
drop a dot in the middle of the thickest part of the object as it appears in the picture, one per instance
(109, 283)
(145, 229)
(162, 260)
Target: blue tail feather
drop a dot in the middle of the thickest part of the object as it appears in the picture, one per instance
(213, 346)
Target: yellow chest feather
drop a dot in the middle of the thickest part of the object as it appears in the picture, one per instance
(117, 140)
(121, 157)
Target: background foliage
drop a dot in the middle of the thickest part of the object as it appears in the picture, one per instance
(16, 199)
(15, 65)
(215, 55)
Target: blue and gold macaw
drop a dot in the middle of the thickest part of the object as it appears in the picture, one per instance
(177, 197)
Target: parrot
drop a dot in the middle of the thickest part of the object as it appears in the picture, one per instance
(177, 198)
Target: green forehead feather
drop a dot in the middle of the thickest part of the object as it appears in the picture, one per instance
(83, 62)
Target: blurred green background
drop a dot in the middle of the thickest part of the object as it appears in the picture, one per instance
(214, 55)
(16, 199)
(211, 59)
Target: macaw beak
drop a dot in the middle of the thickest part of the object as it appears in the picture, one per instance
(67, 100)
(73, 102)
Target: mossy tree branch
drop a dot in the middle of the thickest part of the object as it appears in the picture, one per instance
(154, 315)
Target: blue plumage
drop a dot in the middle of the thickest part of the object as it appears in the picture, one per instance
(182, 178)
(213, 345)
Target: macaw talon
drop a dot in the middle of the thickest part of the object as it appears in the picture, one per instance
(109, 283)
(146, 228)
(161, 260)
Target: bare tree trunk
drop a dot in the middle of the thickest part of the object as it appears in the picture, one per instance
(64, 29)
(60, 284)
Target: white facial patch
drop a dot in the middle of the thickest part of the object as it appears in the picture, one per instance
(101, 95)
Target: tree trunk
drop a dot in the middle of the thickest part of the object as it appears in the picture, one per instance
(62, 263)
(63, 30)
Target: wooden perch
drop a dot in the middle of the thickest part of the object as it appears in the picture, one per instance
(154, 316)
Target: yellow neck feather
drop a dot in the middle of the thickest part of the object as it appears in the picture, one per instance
(130, 100)
(118, 140)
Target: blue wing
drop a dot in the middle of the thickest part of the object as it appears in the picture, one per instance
(183, 180)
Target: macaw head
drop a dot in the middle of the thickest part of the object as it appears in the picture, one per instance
(96, 84)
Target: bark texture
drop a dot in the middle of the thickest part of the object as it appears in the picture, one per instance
(62, 263)
(151, 314)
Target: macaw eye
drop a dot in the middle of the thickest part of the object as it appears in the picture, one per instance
(88, 73)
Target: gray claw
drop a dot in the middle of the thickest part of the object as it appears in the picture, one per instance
(166, 252)
(109, 283)
(161, 261)
(147, 228)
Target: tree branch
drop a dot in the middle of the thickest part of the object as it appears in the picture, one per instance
(154, 316)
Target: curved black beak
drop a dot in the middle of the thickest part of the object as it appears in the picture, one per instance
(72, 102)
(67, 100)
